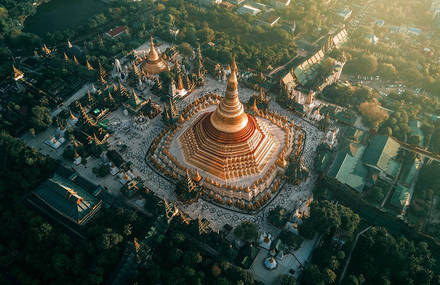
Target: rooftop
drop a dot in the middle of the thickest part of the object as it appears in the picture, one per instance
(348, 167)
(382, 153)
(68, 199)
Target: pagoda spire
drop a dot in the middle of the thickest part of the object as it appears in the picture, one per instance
(18, 74)
(75, 60)
(197, 176)
(66, 58)
(72, 117)
(89, 66)
(190, 185)
(102, 81)
(229, 117)
(90, 98)
(102, 72)
(110, 97)
(69, 44)
(152, 55)
(173, 108)
(46, 50)
(179, 82)
(200, 71)
(254, 106)
(136, 99)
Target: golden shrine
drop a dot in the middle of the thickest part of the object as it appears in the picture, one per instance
(154, 64)
(227, 142)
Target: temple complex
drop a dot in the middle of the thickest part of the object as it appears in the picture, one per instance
(237, 157)
(154, 64)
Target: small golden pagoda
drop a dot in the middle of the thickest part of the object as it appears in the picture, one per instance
(154, 64)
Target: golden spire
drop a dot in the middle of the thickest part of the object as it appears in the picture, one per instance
(17, 73)
(179, 83)
(197, 176)
(102, 80)
(66, 58)
(229, 117)
(89, 66)
(72, 117)
(75, 60)
(254, 107)
(152, 55)
(110, 97)
(69, 44)
(136, 99)
(46, 50)
(181, 119)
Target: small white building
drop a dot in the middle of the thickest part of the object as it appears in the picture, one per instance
(246, 9)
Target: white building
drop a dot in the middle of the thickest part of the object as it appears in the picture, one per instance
(246, 9)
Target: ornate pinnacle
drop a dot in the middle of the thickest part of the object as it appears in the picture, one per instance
(197, 176)
(89, 66)
(17, 73)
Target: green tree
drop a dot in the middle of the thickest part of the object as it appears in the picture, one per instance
(278, 216)
(41, 118)
(287, 280)
(246, 231)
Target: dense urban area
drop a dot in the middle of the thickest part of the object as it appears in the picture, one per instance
(220, 142)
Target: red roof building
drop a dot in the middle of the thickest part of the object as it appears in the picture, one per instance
(116, 32)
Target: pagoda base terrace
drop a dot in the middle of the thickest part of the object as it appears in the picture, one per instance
(248, 192)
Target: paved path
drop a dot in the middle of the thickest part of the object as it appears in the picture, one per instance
(351, 252)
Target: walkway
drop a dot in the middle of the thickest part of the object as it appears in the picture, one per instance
(351, 252)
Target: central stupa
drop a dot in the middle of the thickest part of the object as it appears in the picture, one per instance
(228, 143)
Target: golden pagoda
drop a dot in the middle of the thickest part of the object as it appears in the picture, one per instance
(228, 143)
(154, 64)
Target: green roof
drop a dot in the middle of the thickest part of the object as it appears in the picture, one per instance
(67, 198)
(348, 167)
(381, 154)
(400, 196)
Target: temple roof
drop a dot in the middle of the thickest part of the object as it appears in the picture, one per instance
(67, 198)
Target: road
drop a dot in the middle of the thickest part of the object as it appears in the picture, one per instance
(351, 252)
(281, 67)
